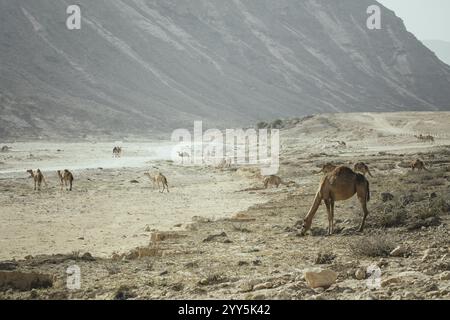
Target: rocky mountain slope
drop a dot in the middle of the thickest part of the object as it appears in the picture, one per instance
(140, 66)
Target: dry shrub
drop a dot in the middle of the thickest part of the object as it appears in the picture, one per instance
(325, 258)
(373, 246)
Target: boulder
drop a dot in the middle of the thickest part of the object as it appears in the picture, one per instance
(320, 279)
(360, 274)
(399, 251)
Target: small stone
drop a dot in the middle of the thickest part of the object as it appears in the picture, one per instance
(245, 287)
(389, 281)
(409, 295)
(360, 274)
(427, 254)
(87, 257)
(323, 278)
(445, 276)
(399, 251)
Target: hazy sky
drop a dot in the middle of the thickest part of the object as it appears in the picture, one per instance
(427, 19)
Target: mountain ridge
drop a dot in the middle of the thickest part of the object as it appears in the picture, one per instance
(144, 67)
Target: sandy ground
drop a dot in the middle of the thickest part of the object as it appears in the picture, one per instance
(107, 211)
(246, 245)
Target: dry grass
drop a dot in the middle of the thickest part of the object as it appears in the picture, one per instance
(373, 246)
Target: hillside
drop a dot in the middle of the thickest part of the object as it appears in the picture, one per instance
(142, 67)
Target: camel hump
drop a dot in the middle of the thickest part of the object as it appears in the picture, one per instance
(342, 170)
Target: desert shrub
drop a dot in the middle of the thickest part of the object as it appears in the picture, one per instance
(325, 258)
(373, 246)
(124, 293)
(393, 214)
(262, 125)
(277, 124)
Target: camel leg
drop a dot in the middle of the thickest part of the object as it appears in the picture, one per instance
(332, 215)
(362, 196)
(309, 217)
(330, 219)
(167, 188)
(35, 182)
(70, 186)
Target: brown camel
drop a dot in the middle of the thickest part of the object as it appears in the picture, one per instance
(38, 178)
(66, 178)
(362, 168)
(419, 165)
(157, 179)
(340, 184)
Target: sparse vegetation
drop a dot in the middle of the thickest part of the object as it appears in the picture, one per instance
(373, 246)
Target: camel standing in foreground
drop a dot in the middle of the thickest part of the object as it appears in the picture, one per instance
(362, 168)
(157, 179)
(419, 165)
(341, 184)
(38, 178)
(66, 178)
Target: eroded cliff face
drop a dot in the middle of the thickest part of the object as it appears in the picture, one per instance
(141, 66)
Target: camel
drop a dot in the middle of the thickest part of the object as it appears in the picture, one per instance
(362, 168)
(38, 178)
(419, 165)
(117, 152)
(272, 180)
(182, 155)
(425, 138)
(157, 179)
(5, 148)
(66, 177)
(327, 168)
(339, 185)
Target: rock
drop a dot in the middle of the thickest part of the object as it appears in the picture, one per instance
(427, 255)
(386, 196)
(87, 257)
(8, 265)
(323, 278)
(262, 286)
(24, 281)
(409, 295)
(399, 251)
(360, 274)
(245, 287)
(382, 263)
(390, 280)
(134, 181)
(444, 276)
(213, 237)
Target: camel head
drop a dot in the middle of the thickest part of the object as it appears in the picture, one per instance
(30, 172)
(305, 226)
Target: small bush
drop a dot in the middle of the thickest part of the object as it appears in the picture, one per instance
(262, 125)
(325, 258)
(374, 246)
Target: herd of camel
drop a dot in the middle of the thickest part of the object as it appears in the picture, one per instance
(338, 183)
